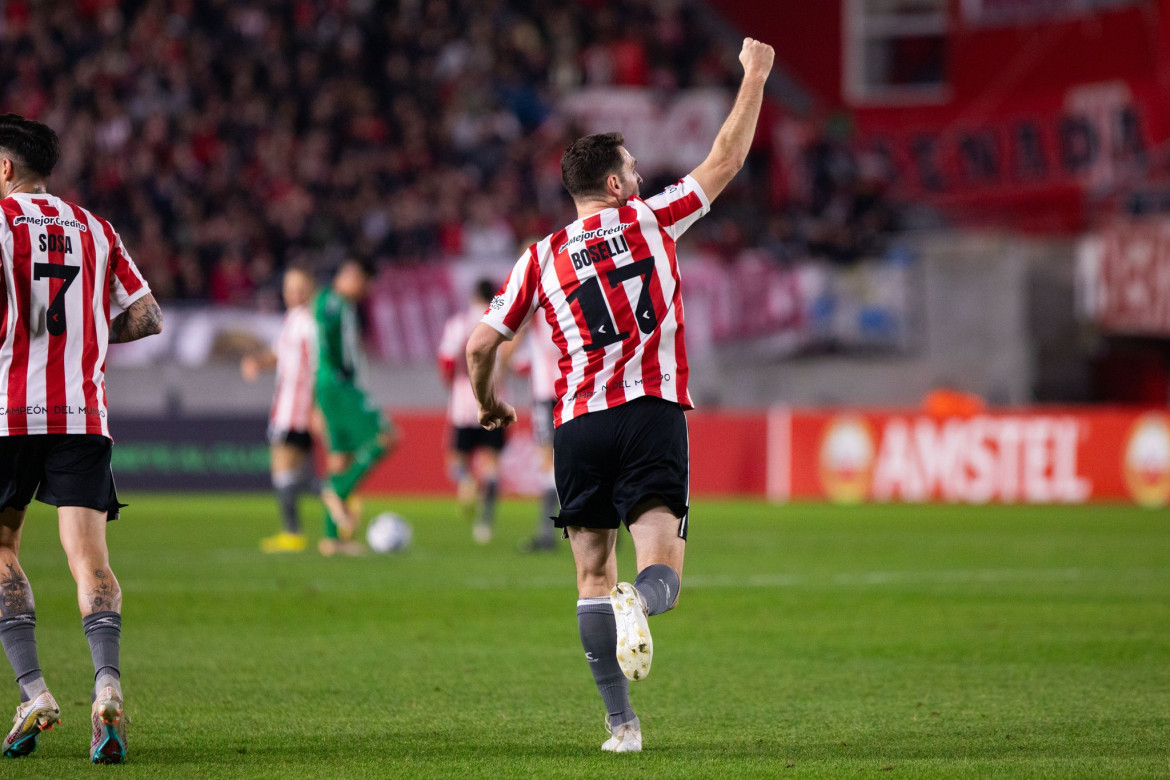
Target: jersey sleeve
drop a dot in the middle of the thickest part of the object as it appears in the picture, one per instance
(127, 284)
(679, 206)
(516, 300)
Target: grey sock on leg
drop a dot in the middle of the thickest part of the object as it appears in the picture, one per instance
(287, 485)
(18, 634)
(549, 507)
(658, 585)
(104, 632)
(598, 628)
(487, 514)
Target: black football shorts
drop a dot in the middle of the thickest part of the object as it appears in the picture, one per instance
(71, 469)
(301, 440)
(609, 462)
(468, 440)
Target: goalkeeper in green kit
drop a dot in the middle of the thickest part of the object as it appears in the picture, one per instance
(357, 435)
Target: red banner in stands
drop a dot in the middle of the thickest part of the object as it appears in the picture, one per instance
(1047, 149)
(1124, 277)
(1026, 457)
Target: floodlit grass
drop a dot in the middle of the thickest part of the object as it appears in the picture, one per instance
(920, 641)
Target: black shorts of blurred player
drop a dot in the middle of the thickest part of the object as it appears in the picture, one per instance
(301, 441)
(466, 441)
(473, 461)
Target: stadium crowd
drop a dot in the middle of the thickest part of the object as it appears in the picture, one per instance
(228, 138)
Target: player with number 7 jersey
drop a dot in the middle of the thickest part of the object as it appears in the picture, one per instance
(62, 265)
(612, 284)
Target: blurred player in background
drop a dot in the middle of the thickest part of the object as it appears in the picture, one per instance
(473, 456)
(61, 265)
(609, 285)
(534, 352)
(358, 435)
(295, 361)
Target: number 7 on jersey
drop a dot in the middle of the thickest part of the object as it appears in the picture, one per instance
(590, 298)
(55, 315)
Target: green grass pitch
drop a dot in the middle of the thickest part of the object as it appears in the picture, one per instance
(914, 641)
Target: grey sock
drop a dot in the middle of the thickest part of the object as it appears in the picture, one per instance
(549, 507)
(487, 514)
(307, 478)
(658, 584)
(18, 634)
(598, 629)
(287, 485)
(104, 632)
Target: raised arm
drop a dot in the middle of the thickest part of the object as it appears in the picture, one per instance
(735, 137)
(481, 361)
(142, 318)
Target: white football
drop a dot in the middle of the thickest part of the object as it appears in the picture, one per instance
(388, 533)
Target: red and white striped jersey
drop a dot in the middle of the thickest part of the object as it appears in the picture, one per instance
(609, 287)
(462, 409)
(543, 358)
(296, 365)
(61, 265)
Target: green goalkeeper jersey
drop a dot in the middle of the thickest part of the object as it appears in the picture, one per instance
(339, 359)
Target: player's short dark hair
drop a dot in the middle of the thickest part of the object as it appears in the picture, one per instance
(485, 289)
(588, 161)
(29, 144)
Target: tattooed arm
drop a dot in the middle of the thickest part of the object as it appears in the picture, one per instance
(15, 594)
(143, 318)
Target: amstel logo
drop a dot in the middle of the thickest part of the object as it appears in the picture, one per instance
(846, 459)
(1146, 463)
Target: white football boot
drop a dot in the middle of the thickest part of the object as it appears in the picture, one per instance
(635, 649)
(34, 716)
(108, 745)
(624, 738)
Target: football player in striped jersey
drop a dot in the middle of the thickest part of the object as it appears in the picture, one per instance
(609, 286)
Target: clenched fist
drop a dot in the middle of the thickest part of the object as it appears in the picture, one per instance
(497, 414)
(756, 57)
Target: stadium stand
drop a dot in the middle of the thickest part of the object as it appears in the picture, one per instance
(228, 139)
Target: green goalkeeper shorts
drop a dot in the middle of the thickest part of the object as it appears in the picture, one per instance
(351, 421)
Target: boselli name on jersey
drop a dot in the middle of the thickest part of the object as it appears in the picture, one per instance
(602, 250)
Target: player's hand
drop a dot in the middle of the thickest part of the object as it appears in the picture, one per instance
(756, 57)
(498, 415)
(250, 368)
